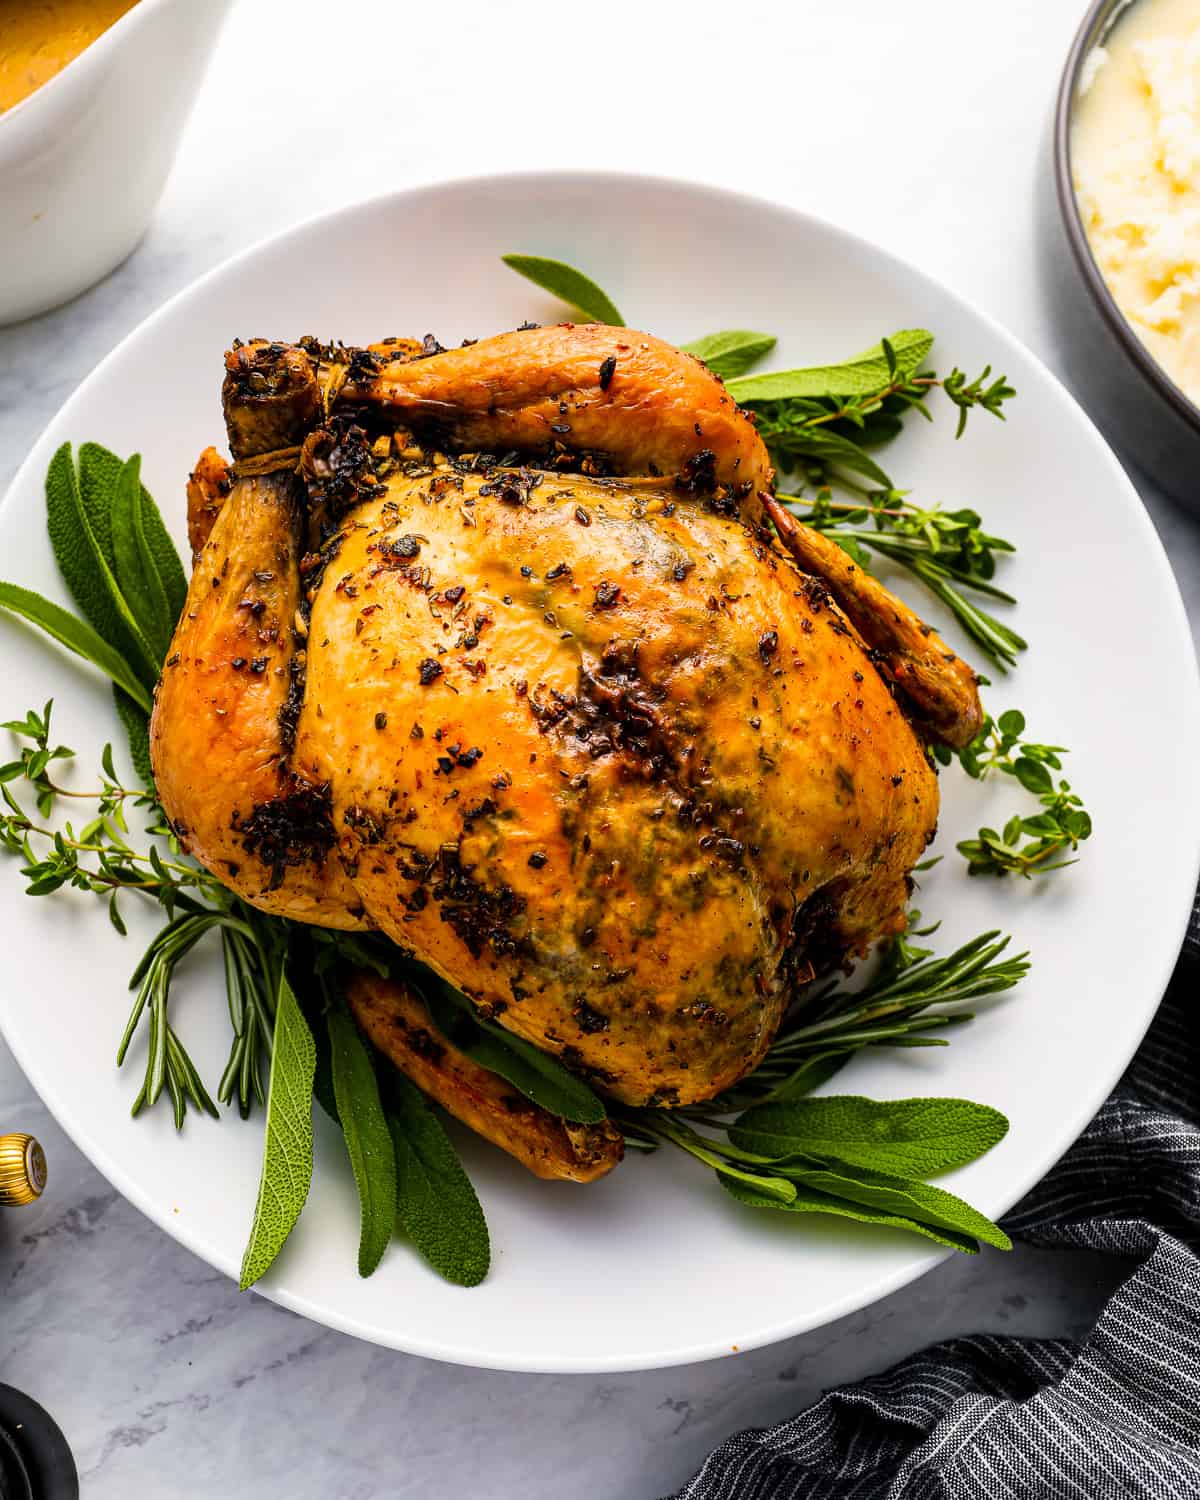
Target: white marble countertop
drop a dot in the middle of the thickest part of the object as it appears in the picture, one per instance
(166, 1381)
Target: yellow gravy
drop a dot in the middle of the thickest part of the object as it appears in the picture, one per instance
(38, 38)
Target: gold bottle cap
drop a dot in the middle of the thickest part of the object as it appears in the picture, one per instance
(22, 1169)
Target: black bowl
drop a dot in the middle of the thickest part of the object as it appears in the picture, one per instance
(1128, 394)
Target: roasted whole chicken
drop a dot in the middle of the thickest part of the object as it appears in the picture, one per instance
(508, 653)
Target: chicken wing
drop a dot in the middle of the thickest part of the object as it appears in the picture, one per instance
(632, 401)
(940, 687)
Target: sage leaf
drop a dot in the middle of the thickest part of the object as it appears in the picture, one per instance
(810, 1201)
(136, 724)
(906, 1137)
(436, 1205)
(732, 351)
(863, 375)
(568, 284)
(134, 568)
(831, 448)
(77, 636)
(537, 1075)
(96, 476)
(288, 1141)
(98, 471)
(368, 1139)
(88, 573)
(931, 1206)
(534, 1073)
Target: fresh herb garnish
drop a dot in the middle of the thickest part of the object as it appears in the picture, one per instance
(534, 1073)
(796, 1176)
(572, 286)
(1026, 845)
(436, 1205)
(731, 352)
(368, 1138)
(288, 1143)
(906, 1137)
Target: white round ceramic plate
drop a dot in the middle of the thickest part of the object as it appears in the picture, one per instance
(654, 1265)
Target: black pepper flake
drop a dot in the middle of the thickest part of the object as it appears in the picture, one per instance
(858, 676)
(430, 345)
(768, 645)
(590, 1021)
(526, 571)
(430, 671)
(538, 860)
(582, 516)
(416, 733)
(607, 595)
(381, 721)
(238, 663)
(681, 570)
(405, 546)
(453, 595)
(559, 570)
(608, 368)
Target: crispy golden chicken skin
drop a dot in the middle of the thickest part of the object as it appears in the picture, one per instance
(593, 753)
(593, 748)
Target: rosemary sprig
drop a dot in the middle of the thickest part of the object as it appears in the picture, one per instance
(99, 857)
(899, 1007)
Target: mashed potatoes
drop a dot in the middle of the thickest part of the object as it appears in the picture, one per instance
(1135, 151)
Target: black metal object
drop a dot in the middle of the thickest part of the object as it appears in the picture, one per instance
(1127, 393)
(35, 1458)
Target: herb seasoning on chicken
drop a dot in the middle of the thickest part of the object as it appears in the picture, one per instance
(671, 762)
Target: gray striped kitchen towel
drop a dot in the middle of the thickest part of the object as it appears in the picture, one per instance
(989, 1418)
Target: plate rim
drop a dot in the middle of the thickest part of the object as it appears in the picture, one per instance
(549, 182)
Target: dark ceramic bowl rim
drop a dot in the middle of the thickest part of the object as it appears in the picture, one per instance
(1091, 29)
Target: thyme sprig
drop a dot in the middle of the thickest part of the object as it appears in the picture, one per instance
(1027, 845)
(100, 857)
